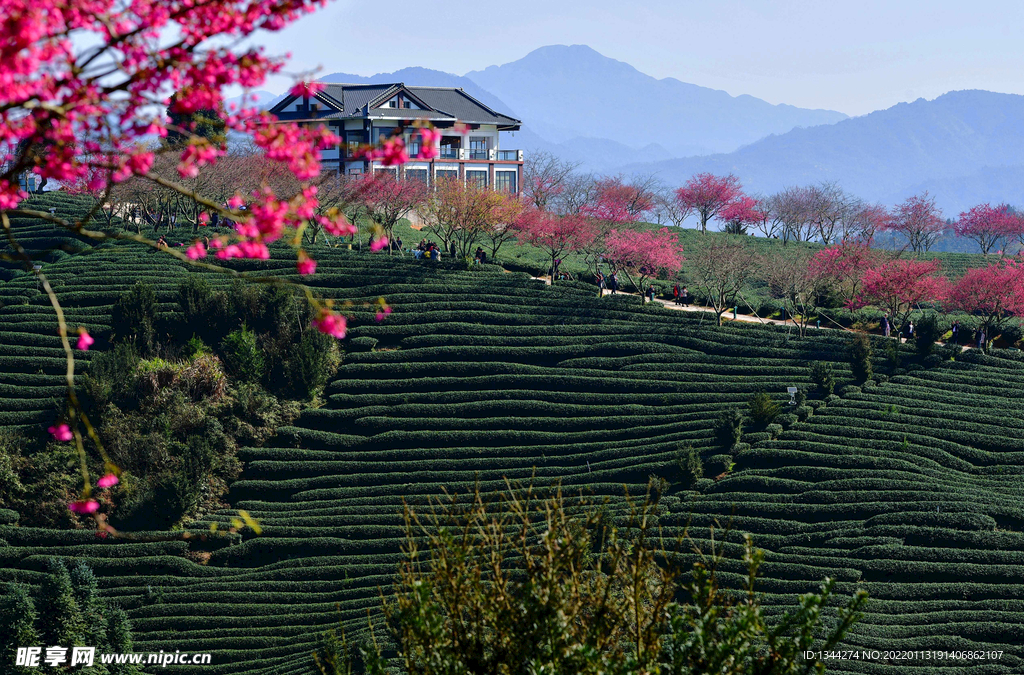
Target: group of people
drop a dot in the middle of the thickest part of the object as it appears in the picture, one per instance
(427, 249)
(480, 256)
(611, 282)
(908, 332)
(681, 297)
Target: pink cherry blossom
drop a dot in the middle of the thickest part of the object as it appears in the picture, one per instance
(61, 432)
(196, 251)
(429, 139)
(331, 323)
(84, 506)
(378, 244)
(84, 339)
(307, 88)
(108, 480)
(305, 264)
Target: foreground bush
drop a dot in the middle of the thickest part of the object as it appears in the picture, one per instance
(518, 585)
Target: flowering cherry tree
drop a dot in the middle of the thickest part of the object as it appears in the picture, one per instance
(616, 201)
(841, 267)
(644, 254)
(991, 227)
(995, 292)
(707, 195)
(387, 200)
(919, 220)
(557, 235)
(743, 213)
(897, 286)
(84, 88)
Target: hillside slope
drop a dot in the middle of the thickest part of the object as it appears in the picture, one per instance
(909, 488)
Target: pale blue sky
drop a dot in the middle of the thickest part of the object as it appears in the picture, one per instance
(851, 56)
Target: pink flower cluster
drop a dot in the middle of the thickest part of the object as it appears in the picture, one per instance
(51, 104)
(330, 323)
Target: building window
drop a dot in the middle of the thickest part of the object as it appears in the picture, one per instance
(446, 174)
(383, 133)
(477, 178)
(313, 107)
(416, 174)
(505, 181)
(355, 171)
(478, 147)
(379, 170)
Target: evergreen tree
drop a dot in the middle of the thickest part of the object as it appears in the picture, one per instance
(18, 618)
(205, 123)
(119, 635)
(60, 618)
(91, 606)
(860, 358)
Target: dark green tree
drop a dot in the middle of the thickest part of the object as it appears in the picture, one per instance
(762, 409)
(119, 637)
(18, 619)
(860, 358)
(205, 123)
(91, 607)
(243, 355)
(823, 376)
(133, 318)
(60, 617)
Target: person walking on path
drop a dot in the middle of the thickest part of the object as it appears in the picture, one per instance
(600, 282)
(956, 332)
(886, 328)
(614, 281)
(650, 292)
(981, 338)
(684, 298)
(675, 294)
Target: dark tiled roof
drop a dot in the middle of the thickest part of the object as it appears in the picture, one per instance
(460, 105)
(442, 103)
(405, 113)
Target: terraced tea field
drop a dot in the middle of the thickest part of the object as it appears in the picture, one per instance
(909, 488)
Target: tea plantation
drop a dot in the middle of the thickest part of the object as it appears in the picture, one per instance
(909, 487)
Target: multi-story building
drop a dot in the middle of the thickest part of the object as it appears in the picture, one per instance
(368, 113)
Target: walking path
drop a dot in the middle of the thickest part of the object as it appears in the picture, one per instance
(727, 315)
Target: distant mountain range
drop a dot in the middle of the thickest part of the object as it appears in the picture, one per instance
(965, 147)
(603, 113)
(568, 92)
(950, 146)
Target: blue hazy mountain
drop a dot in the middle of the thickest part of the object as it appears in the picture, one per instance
(945, 144)
(565, 92)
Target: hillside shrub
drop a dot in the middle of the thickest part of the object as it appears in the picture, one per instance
(313, 363)
(860, 358)
(589, 598)
(133, 318)
(786, 420)
(774, 430)
(761, 408)
(243, 355)
(690, 465)
(728, 428)
(824, 377)
(928, 330)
